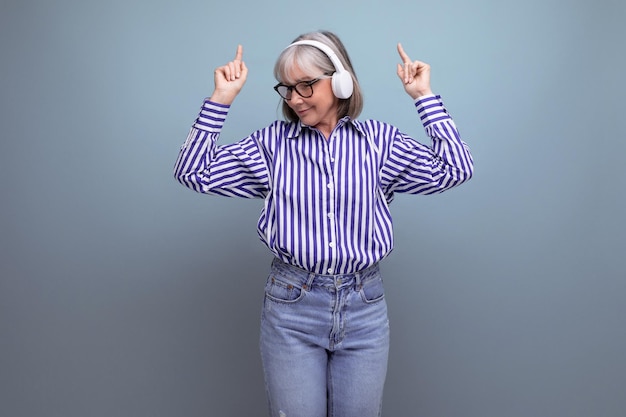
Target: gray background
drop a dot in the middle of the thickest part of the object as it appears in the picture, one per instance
(124, 294)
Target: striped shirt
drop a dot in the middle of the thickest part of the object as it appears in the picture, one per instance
(327, 201)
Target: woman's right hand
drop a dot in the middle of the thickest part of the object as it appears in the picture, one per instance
(229, 79)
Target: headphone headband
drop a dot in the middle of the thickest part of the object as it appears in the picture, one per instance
(324, 48)
(342, 80)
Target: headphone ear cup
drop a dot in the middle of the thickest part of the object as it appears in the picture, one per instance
(342, 84)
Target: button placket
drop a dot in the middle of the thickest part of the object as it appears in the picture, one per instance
(330, 205)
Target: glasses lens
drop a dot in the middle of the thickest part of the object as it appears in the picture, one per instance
(284, 91)
(305, 89)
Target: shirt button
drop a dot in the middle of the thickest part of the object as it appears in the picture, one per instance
(331, 244)
(331, 215)
(329, 270)
(330, 186)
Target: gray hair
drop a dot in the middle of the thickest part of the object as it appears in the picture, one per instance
(312, 59)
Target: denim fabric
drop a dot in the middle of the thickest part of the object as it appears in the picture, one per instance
(324, 343)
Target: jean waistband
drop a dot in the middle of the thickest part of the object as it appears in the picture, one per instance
(303, 278)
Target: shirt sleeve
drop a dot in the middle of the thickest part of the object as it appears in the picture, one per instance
(414, 168)
(234, 170)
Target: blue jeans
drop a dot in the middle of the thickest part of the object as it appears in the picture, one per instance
(324, 343)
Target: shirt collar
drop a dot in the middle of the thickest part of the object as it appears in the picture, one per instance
(296, 128)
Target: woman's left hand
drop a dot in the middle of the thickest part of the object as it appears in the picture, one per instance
(415, 75)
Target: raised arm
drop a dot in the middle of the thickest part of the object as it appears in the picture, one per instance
(235, 170)
(413, 167)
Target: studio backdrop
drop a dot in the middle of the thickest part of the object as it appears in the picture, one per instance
(124, 294)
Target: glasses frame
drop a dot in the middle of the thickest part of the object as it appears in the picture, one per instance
(292, 88)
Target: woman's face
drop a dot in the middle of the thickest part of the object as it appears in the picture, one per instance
(319, 110)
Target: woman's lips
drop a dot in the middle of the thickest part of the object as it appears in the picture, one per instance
(302, 111)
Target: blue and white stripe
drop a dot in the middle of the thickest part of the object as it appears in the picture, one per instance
(326, 201)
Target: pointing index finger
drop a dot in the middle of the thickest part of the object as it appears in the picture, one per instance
(239, 54)
(403, 55)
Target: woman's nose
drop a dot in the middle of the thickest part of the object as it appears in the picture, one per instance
(295, 98)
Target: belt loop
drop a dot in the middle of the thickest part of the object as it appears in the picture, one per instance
(309, 282)
(357, 282)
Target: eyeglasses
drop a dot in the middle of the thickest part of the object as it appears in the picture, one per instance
(303, 88)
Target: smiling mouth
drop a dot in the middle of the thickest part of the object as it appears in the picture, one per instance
(302, 111)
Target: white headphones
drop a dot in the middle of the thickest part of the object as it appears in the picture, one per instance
(342, 80)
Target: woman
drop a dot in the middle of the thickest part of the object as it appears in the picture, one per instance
(327, 180)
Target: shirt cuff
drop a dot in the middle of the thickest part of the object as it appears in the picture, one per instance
(212, 116)
(431, 109)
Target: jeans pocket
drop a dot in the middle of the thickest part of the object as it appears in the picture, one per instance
(282, 292)
(372, 291)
